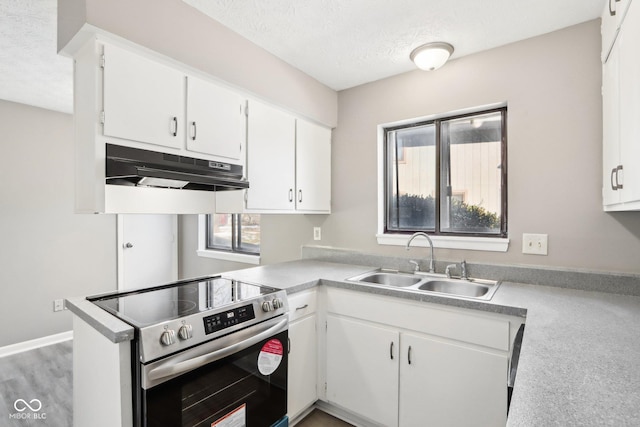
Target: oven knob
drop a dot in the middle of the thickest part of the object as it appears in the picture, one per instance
(185, 332)
(277, 303)
(168, 337)
(267, 306)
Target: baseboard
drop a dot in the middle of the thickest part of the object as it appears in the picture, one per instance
(36, 343)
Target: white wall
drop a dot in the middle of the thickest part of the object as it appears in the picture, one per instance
(552, 86)
(46, 251)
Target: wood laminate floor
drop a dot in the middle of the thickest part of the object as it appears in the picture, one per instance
(46, 374)
(36, 387)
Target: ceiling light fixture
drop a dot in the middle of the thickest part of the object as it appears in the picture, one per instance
(431, 56)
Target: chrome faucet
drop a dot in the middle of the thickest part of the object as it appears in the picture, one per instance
(413, 236)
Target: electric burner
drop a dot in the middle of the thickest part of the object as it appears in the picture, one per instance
(175, 316)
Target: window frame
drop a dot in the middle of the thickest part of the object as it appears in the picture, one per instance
(452, 240)
(221, 253)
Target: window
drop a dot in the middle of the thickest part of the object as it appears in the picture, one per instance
(234, 233)
(447, 176)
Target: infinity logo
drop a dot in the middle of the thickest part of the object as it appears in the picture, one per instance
(21, 405)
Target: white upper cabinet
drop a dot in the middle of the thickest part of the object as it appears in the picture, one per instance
(629, 40)
(143, 99)
(270, 158)
(215, 120)
(313, 167)
(148, 102)
(621, 109)
(288, 162)
(613, 15)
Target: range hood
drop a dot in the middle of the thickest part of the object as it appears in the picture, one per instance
(143, 168)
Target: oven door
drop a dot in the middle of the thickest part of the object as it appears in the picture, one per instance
(236, 380)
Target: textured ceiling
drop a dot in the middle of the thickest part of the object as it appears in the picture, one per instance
(342, 43)
(31, 72)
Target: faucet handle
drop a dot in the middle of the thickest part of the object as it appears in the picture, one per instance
(463, 270)
(447, 270)
(416, 266)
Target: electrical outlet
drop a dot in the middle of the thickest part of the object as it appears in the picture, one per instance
(534, 244)
(317, 233)
(58, 305)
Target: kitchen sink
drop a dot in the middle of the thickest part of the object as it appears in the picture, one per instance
(437, 284)
(391, 279)
(459, 287)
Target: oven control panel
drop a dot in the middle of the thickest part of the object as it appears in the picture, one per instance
(228, 318)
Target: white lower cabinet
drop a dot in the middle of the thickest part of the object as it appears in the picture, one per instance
(446, 384)
(394, 363)
(362, 369)
(303, 354)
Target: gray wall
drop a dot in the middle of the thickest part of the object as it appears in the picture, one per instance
(46, 252)
(552, 86)
(282, 237)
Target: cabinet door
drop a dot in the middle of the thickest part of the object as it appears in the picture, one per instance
(608, 27)
(362, 369)
(302, 391)
(143, 99)
(610, 129)
(444, 384)
(313, 167)
(215, 120)
(270, 158)
(629, 41)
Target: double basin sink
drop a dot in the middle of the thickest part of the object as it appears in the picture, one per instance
(475, 289)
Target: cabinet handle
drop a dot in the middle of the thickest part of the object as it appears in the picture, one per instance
(409, 355)
(193, 127)
(291, 194)
(288, 345)
(614, 187)
(618, 170)
(299, 196)
(391, 350)
(302, 307)
(174, 126)
(612, 12)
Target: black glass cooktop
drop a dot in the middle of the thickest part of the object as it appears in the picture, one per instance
(154, 305)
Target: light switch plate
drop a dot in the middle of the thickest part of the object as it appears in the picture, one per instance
(317, 233)
(535, 244)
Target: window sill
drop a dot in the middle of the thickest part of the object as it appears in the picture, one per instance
(229, 256)
(490, 244)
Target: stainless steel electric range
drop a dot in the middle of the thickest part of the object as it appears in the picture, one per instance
(207, 352)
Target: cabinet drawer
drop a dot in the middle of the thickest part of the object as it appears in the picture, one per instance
(302, 304)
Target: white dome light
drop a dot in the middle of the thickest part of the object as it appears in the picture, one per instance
(431, 56)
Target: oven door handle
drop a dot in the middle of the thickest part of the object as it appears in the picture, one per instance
(174, 369)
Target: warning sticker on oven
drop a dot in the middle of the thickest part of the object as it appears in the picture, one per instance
(270, 357)
(235, 418)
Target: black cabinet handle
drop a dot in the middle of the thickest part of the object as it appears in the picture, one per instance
(193, 124)
(174, 121)
(409, 355)
(391, 350)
